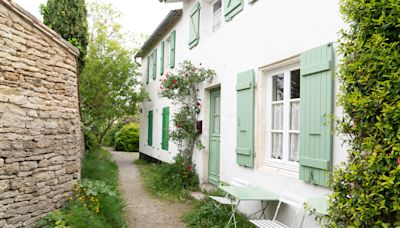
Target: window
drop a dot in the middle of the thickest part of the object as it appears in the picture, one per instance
(217, 13)
(283, 113)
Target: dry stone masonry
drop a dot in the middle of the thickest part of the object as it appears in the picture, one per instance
(40, 128)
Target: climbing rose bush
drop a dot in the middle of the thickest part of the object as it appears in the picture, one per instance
(182, 87)
(366, 190)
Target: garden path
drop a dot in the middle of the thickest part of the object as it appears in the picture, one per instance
(143, 210)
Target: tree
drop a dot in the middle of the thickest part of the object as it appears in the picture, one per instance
(69, 19)
(182, 88)
(366, 190)
(109, 84)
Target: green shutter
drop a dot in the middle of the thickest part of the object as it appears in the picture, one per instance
(155, 64)
(231, 8)
(150, 128)
(316, 92)
(165, 129)
(194, 27)
(148, 70)
(245, 119)
(162, 59)
(172, 40)
(252, 1)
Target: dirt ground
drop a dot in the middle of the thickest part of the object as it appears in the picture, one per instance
(143, 210)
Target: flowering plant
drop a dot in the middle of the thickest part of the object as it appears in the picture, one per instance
(182, 87)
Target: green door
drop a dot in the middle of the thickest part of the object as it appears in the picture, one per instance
(215, 129)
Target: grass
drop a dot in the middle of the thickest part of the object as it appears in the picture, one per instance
(97, 201)
(205, 214)
(166, 181)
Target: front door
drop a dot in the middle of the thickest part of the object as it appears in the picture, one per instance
(215, 123)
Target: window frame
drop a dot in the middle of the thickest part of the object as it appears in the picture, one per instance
(215, 28)
(167, 54)
(285, 67)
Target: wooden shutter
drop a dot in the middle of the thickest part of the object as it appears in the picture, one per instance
(316, 92)
(231, 8)
(165, 128)
(245, 119)
(194, 27)
(172, 40)
(150, 128)
(162, 59)
(148, 70)
(155, 64)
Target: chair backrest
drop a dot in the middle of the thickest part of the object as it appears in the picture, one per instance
(298, 206)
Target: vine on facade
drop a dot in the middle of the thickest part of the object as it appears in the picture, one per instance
(182, 87)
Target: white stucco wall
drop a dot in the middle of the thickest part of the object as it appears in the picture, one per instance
(262, 34)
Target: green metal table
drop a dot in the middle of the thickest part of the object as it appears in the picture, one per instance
(319, 205)
(248, 193)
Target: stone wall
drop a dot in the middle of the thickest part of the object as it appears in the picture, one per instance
(40, 128)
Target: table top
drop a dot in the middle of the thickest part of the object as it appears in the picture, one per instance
(249, 193)
(319, 204)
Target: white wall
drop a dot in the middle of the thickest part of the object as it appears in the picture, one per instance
(263, 33)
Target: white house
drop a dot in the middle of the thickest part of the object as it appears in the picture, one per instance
(267, 114)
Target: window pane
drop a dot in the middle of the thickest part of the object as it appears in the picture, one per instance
(277, 146)
(277, 87)
(295, 84)
(294, 115)
(216, 124)
(217, 5)
(216, 105)
(294, 147)
(277, 117)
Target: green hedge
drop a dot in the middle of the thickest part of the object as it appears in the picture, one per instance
(127, 139)
(366, 190)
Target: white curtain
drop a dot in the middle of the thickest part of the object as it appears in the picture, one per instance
(277, 149)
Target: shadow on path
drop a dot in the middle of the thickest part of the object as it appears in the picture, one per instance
(142, 210)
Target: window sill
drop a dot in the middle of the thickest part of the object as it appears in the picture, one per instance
(290, 170)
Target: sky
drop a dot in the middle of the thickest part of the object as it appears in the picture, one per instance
(138, 16)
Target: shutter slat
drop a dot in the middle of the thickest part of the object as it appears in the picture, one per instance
(148, 70)
(150, 128)
(316, 92)
(165, 129)
(194, 29)
(172, 49)
(162, 58)
(155, 64)
(232, 8)
(245, 119)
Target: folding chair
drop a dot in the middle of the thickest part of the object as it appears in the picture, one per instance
(274, 223)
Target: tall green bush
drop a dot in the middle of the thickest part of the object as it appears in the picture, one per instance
(127, 139)
(366, 190)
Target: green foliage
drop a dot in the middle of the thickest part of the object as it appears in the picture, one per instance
(109, 138)
(366, 190)
(69, 19)
(109, 84)
(206, 214)
(127, 139)
(96, 201)
(169, 181)
(182, 88)
(91, 140)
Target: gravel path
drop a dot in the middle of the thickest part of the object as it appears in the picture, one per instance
(142, 210)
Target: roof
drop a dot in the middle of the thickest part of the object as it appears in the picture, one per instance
(166, 25)
(32, 20)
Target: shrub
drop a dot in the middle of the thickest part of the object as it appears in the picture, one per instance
(366, 189)
(206, 214)
(169, 181)
(90, 138)
(127, 139)
(109, 138)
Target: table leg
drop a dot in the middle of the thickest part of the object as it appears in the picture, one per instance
(233, 217)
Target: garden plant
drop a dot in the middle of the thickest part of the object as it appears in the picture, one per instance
(366, 189)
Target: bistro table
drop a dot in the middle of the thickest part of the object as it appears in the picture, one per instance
(319, 205)
(248, 193)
